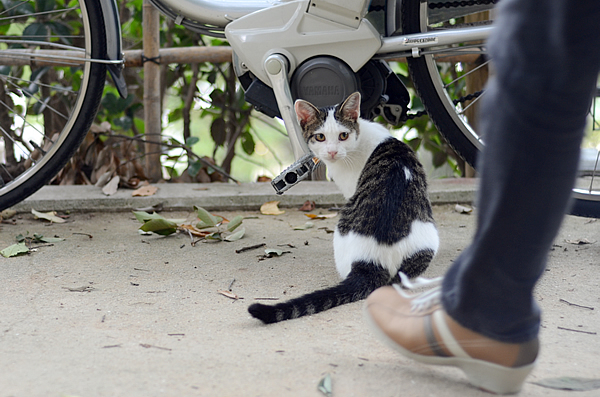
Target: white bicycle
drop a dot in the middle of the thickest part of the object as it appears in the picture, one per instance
(54, 55)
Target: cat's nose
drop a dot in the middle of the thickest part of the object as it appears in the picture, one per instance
(332, 153)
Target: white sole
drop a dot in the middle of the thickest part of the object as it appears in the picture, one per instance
(488, 376)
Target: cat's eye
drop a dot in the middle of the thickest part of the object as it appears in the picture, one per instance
(344, 136)
(319, 137)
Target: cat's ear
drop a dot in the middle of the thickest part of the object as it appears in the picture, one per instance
(305, 112)
(350, 109)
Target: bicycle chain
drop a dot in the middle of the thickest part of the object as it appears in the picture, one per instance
(448, 4)
(468, 97)
(464, 3)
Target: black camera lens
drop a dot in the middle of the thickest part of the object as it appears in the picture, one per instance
(291, 178)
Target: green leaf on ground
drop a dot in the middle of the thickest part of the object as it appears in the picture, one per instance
(143, 216)
(14, 250)
(207, 219)
(163, 227)
(307, 225)
(569, 383)
(325, 385)
(234, 223)
(48, 239)
(216, 236)
(37, 238)
(273, 251)
(236, 236)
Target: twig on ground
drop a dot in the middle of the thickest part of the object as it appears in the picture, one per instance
(577, 330)
(575, 304)
(147, 346)
(252, 247)
(85, 234)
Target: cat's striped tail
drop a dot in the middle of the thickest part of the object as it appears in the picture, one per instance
(363, 279)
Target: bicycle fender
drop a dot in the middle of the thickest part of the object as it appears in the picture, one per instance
(112, 27)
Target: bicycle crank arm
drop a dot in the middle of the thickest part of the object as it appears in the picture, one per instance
(276, 67)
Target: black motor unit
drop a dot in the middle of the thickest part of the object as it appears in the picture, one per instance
(326, 81)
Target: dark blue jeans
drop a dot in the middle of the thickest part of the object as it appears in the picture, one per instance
(546, 57)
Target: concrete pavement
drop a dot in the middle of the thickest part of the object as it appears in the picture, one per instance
(110, 312)
(221, 196)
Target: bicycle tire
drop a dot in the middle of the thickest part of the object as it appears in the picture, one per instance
(447, 113)
(70, 109)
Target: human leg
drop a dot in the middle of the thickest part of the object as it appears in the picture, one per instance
(532, 121)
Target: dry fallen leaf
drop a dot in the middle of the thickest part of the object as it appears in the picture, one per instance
(49, 216)
(144, 191)
(194, 231)
(321, 216)
(271, 208)
(228, 294)
(111, 187)
(461, 209)
(581, 241)
(307, 206)
(103, 179)
(7, 214)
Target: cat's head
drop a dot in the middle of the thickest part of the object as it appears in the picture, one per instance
(331, 133)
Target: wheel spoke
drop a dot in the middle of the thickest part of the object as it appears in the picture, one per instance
(450, 80)
(50, 87)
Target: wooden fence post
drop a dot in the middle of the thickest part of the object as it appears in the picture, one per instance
(152, 105)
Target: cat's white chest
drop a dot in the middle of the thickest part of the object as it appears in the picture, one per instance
(345, 178)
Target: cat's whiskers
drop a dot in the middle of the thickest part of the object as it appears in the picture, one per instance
(351, 159)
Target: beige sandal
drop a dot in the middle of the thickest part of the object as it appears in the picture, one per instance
(418, 327)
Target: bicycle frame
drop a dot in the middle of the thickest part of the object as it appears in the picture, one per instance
(114, 50)
(270, 38)
(218, 14)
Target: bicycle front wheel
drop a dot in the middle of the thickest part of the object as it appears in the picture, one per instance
(49, 89)
(450, 81)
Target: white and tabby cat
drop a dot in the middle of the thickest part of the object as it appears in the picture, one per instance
(387, 224)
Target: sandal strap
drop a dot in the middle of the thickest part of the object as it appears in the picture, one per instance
(447, 338)
(431, 340)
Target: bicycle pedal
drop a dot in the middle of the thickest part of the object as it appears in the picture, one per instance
(295, 173)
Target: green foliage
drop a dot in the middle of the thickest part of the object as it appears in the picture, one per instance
(184, 91)
(24, 242)
(427, 135)
(222, 102)
(208, 226)
(14, 250)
